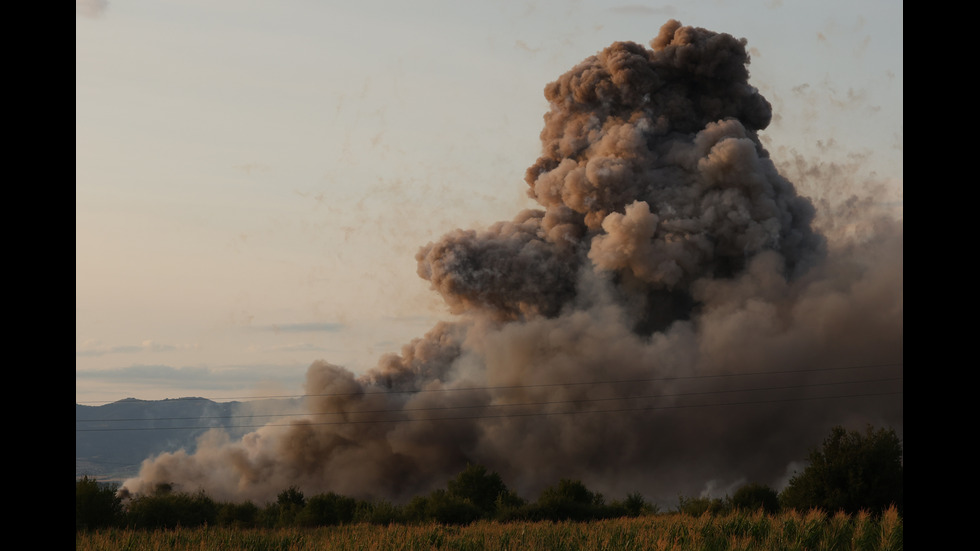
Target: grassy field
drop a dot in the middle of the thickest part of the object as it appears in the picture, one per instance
(813, 531)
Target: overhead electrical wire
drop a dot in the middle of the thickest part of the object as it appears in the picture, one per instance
(513, 404)
(510, 405)
(537, 385)
(531, 414)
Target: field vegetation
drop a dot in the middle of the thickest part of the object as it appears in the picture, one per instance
(849, 497)
(735, 530)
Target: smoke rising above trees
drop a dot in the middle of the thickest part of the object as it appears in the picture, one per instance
(667, 251)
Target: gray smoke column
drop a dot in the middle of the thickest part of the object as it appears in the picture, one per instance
(618, 334)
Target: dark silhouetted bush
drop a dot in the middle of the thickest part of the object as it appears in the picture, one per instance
(752, 497)
(568, 500)
(168, 509)
(697, 506)
(96, 505)
(327, 510)
(238, 515)
(479, 487)
(850, 472)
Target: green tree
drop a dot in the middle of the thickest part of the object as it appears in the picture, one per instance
(569, 500)
(478, 486)
(378, 512)
(96, 505)
(510, 507)
(635, 505)
(289, 504)
(328, 509)
(291, 496)
(697, 506)
(238, 515)
(754, 496)
(168, 509)
(851, 472)
(447, 508)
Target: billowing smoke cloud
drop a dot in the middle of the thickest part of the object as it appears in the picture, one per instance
(668, 320)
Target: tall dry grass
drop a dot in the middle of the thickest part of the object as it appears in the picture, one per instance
(736, 531)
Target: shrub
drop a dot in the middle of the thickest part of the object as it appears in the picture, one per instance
(479, 487)
(287, 508)
(170, 510)
(378, 512)
(328, 509)
(447, 508)
(568, 500)
(850, 473)
(96, 505)
(238, 515)
(752, 497)
(697, 506)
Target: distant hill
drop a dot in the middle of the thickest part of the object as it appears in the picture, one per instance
(112, 440)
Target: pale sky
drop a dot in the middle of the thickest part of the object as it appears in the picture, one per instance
(253, 179)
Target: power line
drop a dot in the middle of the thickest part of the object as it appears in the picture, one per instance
(532, 414)
(476, 406)
(529, 414)
(539, 385)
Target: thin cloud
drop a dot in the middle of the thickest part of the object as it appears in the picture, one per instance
(228, 377)
(295, 347)
(637, 9)
(145, 373)
(315, 327)
(95, 349)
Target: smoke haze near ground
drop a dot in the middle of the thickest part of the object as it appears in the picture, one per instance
(620, 333)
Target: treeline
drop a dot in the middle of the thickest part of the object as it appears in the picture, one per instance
(474, 494)
(852, 472)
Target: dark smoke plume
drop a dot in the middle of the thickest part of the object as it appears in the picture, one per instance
(670, 266)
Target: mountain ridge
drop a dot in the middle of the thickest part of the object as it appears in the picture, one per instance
(112, 440)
